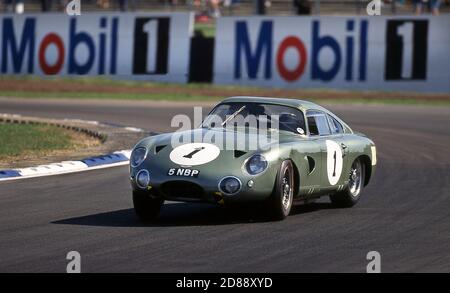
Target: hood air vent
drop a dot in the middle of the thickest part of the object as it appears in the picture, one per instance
(159, 147)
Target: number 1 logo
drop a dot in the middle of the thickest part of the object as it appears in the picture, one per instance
(151, 43)
(406, 50)
(334, 162)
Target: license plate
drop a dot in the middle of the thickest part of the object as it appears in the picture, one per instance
(183, 172)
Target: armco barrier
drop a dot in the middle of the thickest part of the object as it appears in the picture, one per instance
(390, 53)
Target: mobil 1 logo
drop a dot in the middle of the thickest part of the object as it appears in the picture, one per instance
(151, 45)
(406, 49)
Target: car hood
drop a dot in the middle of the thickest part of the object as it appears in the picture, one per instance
(162, 153)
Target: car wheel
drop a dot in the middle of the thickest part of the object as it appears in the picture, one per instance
(282, 196)
(351, 194)
(146, 207)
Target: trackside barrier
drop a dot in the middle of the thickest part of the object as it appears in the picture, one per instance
(142, 46)
(345, 52)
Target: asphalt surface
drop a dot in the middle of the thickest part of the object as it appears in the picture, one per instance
(404, 213)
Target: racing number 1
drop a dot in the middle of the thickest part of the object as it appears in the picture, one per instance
(334, 161)
(334, 169)
(196, 150)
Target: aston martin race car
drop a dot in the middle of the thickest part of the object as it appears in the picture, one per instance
(254, 150)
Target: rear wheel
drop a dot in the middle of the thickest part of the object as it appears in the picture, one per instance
(351, 194)
(146, 207)
(281, 200)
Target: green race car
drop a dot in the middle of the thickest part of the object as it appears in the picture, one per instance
(249, 150)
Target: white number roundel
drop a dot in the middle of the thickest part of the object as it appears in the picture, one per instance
(334, 162)
(192, 154)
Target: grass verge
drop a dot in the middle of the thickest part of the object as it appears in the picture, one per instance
(103, 88)
(38, 140)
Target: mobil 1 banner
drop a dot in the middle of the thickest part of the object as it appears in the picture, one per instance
(142, 46)
(390, 53)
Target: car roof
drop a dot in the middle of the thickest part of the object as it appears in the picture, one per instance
(296, 103)
(301, 104)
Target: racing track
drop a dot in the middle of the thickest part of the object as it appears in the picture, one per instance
(404, 213)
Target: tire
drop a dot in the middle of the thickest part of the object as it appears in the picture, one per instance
(280, 203)
(146, 207)
(352, 192)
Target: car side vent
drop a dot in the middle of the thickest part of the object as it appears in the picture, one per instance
(238, 153)
(311, 164)
(159, 147)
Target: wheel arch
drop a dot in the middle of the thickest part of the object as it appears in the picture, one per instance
(367, 163)
(296, 177)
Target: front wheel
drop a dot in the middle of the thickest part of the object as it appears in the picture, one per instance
(351, 194)
(280, 203)
(146, 207)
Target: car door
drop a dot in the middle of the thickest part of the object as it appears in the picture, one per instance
(332, 149)
(337, 156)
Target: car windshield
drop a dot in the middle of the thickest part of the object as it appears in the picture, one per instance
(274, 117)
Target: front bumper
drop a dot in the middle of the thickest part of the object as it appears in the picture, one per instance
(205, 189)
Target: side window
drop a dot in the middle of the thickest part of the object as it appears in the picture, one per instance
(312, 126)
(318, 123)
(322, 125)
(336, 127)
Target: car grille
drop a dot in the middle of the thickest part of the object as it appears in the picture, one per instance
(182, 189)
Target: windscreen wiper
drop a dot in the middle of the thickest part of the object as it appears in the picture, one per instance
(233, 115)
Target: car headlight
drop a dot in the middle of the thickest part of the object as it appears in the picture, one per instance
(230, 185)
(143, 178)
(256, 165)
(138, 156)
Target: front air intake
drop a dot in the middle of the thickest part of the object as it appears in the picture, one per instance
(182, 189)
